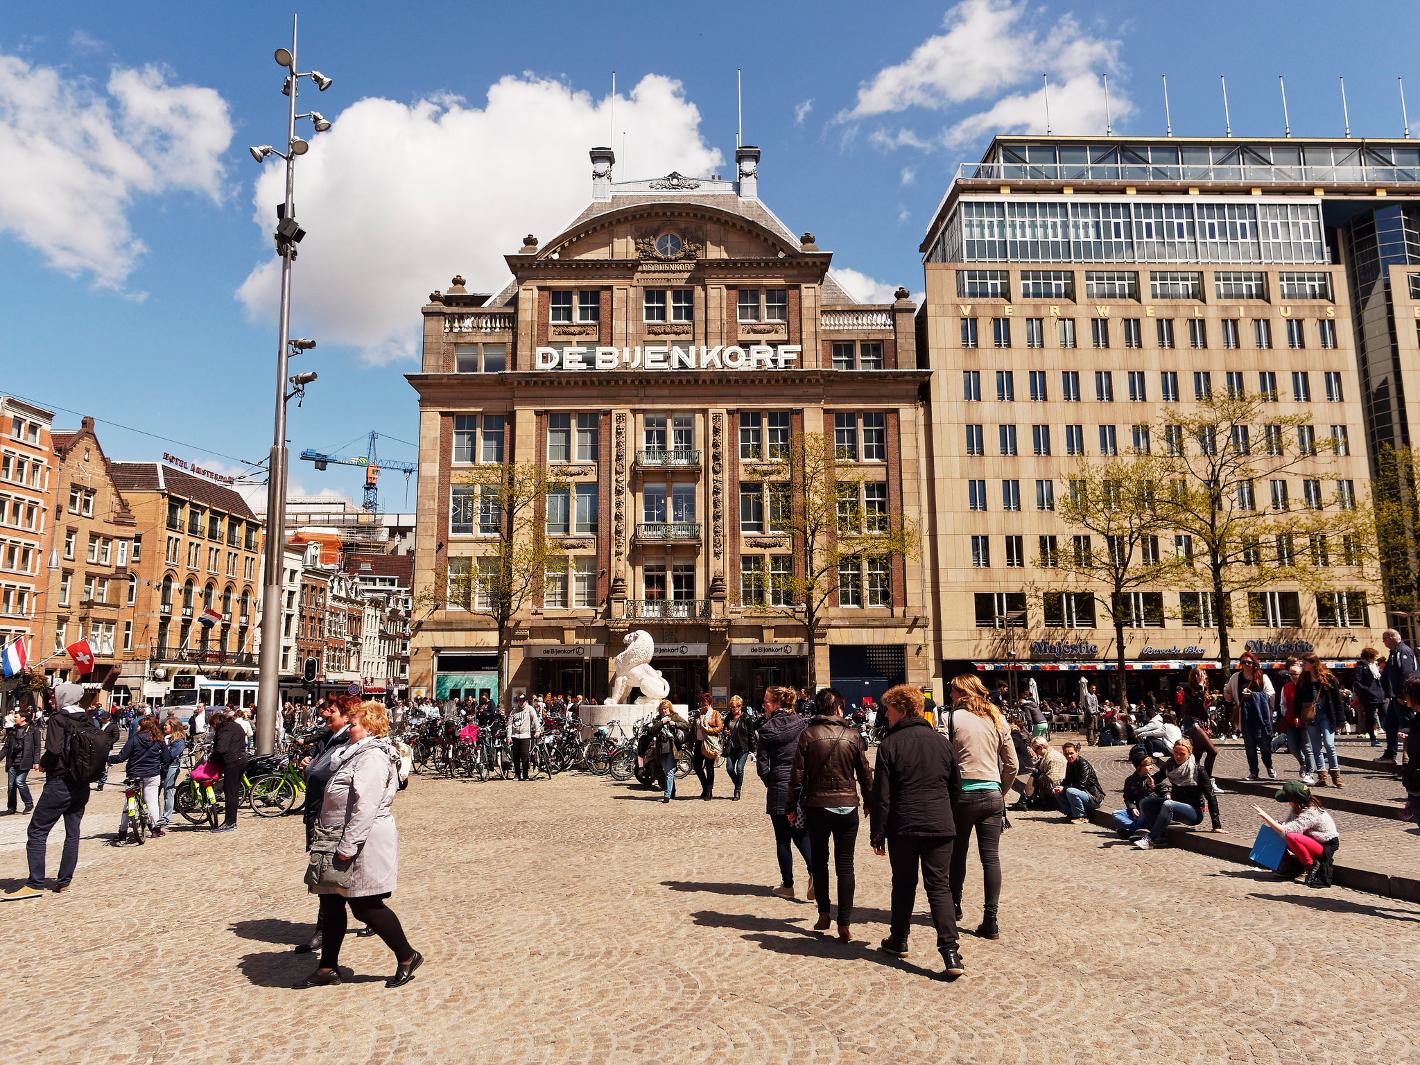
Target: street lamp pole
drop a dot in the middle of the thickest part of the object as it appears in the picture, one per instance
(288, 235)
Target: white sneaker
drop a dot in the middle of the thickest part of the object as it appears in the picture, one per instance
(1309, 779)
(1271, 775)
(1145, 844)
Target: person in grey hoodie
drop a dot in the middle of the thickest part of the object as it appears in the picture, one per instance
(774, 762)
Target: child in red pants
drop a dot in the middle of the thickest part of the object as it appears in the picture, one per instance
(1309, 832)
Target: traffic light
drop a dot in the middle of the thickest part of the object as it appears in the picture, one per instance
(308, 672)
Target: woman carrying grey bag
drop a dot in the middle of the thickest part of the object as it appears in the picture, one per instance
(355, 855)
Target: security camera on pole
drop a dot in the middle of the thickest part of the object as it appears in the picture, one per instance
(288, 235)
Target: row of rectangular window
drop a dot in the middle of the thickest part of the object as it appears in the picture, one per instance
(583, 306)
(1313, 497)
(1321, 548)
(1228, 285)
(1145, 610)
(1141, 440)
(1132, 336)
(1234, 385)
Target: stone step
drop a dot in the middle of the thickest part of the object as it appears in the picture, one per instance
(1332, 798)
(1234, 849)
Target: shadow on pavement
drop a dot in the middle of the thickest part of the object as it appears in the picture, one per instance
(718, 889)
(274, 930)
(285, 969)
(1322, 902)
(803, 942)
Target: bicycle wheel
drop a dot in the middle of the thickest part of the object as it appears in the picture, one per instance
(189, 804)
(683, 768)
(599, 762)
(139, 824)
(622, 765)
(271, 796)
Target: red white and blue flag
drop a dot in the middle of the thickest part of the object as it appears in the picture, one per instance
(209, 617)
(16, 657)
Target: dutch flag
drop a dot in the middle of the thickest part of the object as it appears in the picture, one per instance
(16, 657)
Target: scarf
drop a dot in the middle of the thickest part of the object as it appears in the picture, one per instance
(1185, 775)
(342, 754)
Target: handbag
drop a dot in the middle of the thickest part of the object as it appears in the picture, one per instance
(710, 748)
(1268, 848)
(321, 868)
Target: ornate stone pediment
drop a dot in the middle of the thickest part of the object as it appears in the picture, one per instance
(675, 180)
(691, 245)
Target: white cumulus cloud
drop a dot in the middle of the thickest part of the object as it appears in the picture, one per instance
(397, 198)
(801, 111)
(984, 71)
(863, 288)
(77, 157)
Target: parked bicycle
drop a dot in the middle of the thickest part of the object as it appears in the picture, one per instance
(274, 794)
(136, 809)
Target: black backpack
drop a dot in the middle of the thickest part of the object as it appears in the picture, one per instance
(86, 749)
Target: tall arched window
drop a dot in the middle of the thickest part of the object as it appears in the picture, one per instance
(168, 590)
(189, 591)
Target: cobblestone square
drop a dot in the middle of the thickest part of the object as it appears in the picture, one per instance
(579, 920)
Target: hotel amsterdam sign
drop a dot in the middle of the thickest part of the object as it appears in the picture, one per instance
(669, 357)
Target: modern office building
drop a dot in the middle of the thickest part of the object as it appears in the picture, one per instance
(1078, 287)
(658, 357)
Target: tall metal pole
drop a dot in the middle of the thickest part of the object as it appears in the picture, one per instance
(1404, 114)
(1045, 90)
(1227, 115)
(1168, 116)
(1345, 110)
(1286, 118)
(269, 684)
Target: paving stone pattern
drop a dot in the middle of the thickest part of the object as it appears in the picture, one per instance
(579, 920)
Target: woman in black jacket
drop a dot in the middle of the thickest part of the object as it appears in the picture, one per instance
(913, 784)
(229, 754)
(22, 755)
(739, 741)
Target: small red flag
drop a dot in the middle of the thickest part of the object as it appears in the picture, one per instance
(83, 657)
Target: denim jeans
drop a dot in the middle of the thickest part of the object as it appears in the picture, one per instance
(17, 780)
(1072, 802)
(1304, 749)
(170, 780)
(1323, 737)
(1159, 813)
(1257, 740)
(60, 799)
(668, 761)
(784, 835)
(735, 767)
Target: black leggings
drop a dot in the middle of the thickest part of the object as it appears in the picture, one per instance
(232, 790)
(844, 830)
(984, 812)
(370, 909)
(521, 748)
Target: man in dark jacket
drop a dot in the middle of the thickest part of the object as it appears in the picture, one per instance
(1400, 666)
(21, 755)
(1370, 692)
(774, 762)
(829, 760)
(911, 809)
(64, 796)
(1080, 791)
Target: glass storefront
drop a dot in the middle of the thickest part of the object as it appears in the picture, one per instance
(466, 676)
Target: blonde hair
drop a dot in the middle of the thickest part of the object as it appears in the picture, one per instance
(735, 701)
(904, 699)
(370, 715)
(1186, 744)
(974, 697)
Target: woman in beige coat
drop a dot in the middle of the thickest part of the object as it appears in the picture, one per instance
(356, 815)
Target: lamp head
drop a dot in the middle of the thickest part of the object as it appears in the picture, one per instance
(260, 152)
(303, 345)
(322, 82)
(299, 147)
(284, 58)
(300, 380)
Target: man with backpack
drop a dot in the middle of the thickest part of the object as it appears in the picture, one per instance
(75, 754)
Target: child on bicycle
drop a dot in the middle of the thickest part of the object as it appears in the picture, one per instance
(144, 753)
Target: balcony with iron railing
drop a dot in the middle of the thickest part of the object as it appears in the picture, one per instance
(678, 458)
(210, 656)
(667, 609)
(668, 531)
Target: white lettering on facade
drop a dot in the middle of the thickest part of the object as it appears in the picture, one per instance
(674, 357)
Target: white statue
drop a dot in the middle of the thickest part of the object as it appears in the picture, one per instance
(634, 670)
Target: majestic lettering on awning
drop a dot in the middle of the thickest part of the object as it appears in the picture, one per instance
(669, 357)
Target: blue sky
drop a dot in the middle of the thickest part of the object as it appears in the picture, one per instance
(134, 282)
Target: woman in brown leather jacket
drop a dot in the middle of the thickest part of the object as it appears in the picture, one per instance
(830, 765)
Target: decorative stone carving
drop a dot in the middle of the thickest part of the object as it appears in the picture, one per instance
(618, 473)
(675, 180)
(764, 541)
(764, 330)
(568, 472)
(574, 330)
(717, 485)
(690, 248)
(634, 670)
(669, 329)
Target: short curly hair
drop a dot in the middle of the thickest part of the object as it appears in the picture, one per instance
(372, 715)
(905, 700)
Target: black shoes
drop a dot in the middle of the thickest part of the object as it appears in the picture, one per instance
(988, 929)
(954, 967)
(405, 973)
(889, 946)
(320, 978)
(665, 798)
(736, 795)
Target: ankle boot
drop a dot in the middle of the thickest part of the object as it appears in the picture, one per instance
(1336, 779)
(1320, 779)
(988, 929)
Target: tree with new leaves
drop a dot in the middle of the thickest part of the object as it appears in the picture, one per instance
(836, 531)
(508, 571)
(1219, 459)
(1117, 546)
(1397, 519)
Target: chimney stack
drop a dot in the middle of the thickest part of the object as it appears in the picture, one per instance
(747, 171)
(603, 159)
